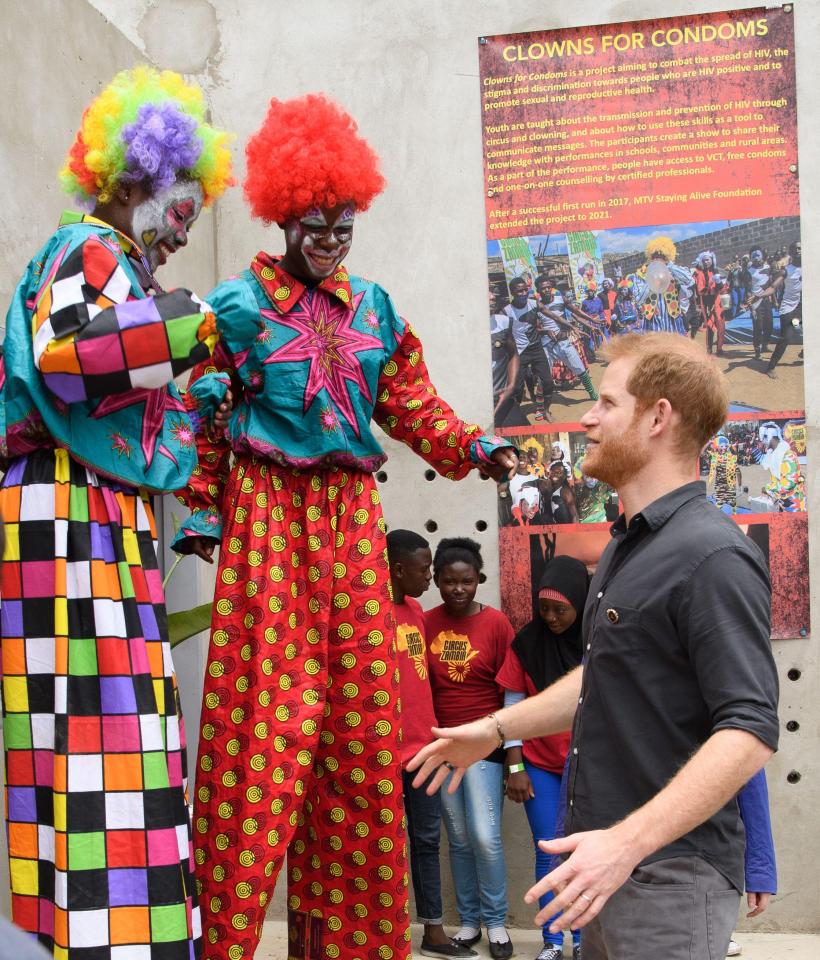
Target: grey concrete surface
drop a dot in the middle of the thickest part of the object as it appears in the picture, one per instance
(528, 942)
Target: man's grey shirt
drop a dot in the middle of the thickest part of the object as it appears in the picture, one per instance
(677, 646)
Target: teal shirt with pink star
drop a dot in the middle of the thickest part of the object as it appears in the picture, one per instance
(312, 368)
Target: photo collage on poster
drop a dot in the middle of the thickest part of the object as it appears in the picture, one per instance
(555, 300)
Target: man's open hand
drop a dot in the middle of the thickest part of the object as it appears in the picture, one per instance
(454, 750)
(600, 862)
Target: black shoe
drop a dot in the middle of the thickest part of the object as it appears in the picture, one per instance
(449, 951)
(466, 943)
(576, 951)
(550, 952)
(501, 951)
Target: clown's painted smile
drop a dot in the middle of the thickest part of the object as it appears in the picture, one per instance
(161, 223)
(318, 242)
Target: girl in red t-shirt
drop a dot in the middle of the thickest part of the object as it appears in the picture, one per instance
(546, 649)
(467, 644)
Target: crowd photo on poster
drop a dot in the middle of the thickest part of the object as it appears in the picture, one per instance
(556, 299)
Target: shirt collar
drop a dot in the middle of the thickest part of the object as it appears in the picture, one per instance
(284, 291)
(659, 511)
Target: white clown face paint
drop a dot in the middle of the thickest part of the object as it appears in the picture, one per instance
(161, 223)
(317, 242)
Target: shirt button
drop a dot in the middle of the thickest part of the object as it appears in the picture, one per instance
(575, 751)
(600, 594)
(580, 699)
(589, 646)
(570, 803)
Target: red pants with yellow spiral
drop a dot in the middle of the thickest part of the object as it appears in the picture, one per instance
(299, 749)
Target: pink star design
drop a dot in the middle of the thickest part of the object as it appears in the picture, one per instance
(325, 337)
(157, 402)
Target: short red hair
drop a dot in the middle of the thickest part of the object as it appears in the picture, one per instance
(307, 153)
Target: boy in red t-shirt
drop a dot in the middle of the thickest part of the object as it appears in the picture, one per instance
(410, 559)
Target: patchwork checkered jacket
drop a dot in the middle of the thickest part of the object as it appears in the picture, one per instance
(89, 358)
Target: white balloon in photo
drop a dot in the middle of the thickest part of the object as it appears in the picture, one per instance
(658, 276)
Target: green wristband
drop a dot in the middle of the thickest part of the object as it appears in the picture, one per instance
(516, 768)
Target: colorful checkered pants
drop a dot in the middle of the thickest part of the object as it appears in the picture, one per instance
(98, 827)
(299, 743)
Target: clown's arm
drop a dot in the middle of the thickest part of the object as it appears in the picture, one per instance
(408, 408)
(210, 383)
(92, 338)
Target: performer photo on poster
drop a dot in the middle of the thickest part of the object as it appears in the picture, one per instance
(757, 466)
(550, 487)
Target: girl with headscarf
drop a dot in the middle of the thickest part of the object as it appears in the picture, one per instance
(546, 649)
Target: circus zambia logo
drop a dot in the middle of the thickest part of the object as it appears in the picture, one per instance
(456, 651)
(410, 640)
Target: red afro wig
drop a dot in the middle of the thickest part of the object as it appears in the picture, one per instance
(306, 154)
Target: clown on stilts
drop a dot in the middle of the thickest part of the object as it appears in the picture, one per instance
(99, 834)
(299, 748)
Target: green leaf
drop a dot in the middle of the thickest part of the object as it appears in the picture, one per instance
(174, 565)
(188, 623)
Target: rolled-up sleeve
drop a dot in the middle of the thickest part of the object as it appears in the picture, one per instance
(724, 620)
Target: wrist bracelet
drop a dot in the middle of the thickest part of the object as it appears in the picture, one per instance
(498, 729)
(516, 768)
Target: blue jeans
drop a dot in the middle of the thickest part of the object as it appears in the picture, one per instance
(424, 829)
(472, 816)
(542, 812)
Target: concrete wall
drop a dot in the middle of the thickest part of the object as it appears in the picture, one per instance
(408, 72)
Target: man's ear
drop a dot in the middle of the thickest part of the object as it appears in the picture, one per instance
(662, 416)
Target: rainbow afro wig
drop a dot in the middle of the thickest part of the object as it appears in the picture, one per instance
(146, 127)
(663, 246)
(307, 154)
